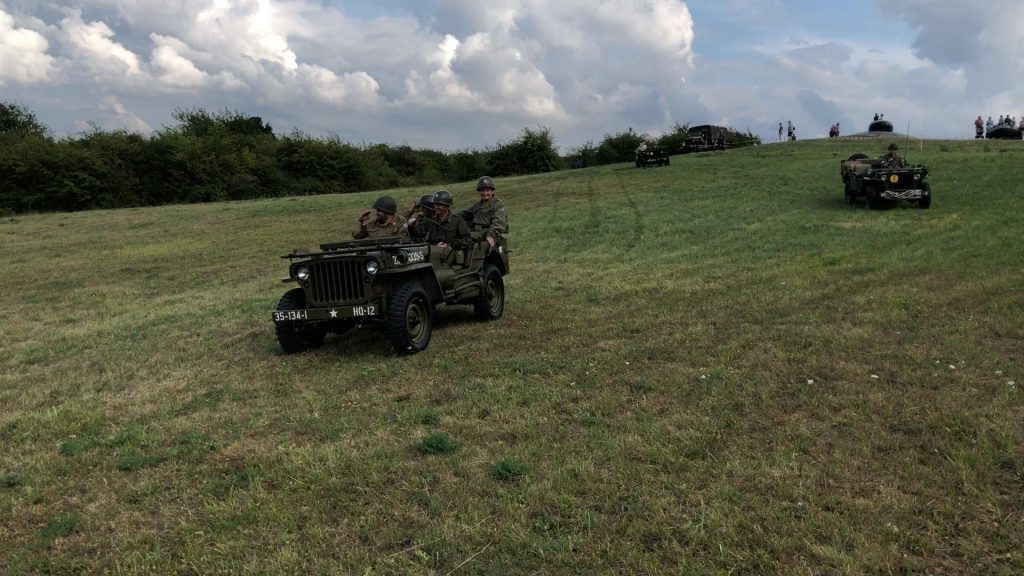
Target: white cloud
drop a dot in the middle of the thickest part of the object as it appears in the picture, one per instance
(171, 68)
(23, 54)
(95, 50)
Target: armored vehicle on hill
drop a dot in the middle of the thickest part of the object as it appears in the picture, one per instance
(878, 182)
(880, 126)
(1005, 131)
(392, 282)
(705, 138)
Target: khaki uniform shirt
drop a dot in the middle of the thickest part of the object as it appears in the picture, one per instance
(375, 230)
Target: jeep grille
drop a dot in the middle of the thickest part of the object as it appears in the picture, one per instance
(335, 281)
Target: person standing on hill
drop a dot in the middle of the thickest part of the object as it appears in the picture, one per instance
(780, 131)
(979, 127)
(488, 218)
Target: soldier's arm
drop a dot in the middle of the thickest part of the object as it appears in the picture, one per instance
(499, 223)
(462, 239)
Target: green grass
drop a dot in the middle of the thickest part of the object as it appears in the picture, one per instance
(708, 368)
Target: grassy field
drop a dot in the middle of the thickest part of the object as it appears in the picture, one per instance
(708, 368)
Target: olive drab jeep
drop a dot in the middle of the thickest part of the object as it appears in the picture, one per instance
(879, 183)
(391, 282)
(651, 155)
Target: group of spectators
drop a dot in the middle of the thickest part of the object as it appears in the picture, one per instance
(790, 131)
(983, 127)
(430, 220)
(833, 131)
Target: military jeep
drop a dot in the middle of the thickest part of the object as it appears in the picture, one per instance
(651, 156)
(878, 184)
(393, 283)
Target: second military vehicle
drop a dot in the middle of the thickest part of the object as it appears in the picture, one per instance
(392, 282)
(879, 182)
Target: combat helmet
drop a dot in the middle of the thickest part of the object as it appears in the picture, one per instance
(426, 201)
(893, 147)
(443, 198)
(485, 182)
(385, 204)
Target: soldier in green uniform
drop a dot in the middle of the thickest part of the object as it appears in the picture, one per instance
(385, 224)
(488, 219)
(447, 231)
(892, 159)
(424, 207)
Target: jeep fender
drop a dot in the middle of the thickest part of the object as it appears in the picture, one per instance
(422, 273)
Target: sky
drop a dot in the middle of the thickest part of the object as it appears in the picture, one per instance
(460, 74)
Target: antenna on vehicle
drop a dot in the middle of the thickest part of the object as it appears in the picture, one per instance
(906, 144)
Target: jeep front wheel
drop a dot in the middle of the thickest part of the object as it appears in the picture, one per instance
(293, 335)
(926, 200)
(410, 319)
(874, 201)
(490, 304)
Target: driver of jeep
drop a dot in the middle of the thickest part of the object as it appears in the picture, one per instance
(892, 159)
(447, 231)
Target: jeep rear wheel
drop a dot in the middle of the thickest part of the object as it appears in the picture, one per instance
(295, 336)
(848, 194)
(410, 319)
(490, 304)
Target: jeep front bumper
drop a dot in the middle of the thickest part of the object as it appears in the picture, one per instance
(327, 313)
(903, 194)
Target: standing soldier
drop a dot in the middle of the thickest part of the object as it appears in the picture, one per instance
(386, 223)
(488, 218)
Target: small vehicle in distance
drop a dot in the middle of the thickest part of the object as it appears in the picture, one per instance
(649, 154)
(878, 182)
(392, 282)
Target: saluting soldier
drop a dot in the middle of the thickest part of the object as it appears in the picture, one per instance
(385, 224)
(488, 218)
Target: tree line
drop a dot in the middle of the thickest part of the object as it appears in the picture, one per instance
(227, 155)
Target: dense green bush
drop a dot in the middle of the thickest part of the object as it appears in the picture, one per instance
(209, 157)
(619, 148)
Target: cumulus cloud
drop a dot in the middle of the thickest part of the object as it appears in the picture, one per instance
(96, 51)
(435, 73)
(23, 54)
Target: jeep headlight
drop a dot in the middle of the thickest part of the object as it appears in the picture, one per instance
(302, 273)
(917, 177)
(372, 266)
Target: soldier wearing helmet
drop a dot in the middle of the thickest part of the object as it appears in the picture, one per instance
(445, 230)
(892, 159)
(488, 219)
(385, 224)
(423, 208)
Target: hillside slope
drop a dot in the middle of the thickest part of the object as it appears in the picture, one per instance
(711, 367)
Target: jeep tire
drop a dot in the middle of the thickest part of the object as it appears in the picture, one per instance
(873, 201)
(490, 304)
(925, 202)
(848, 194)
(410, 319)
(294, 336)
